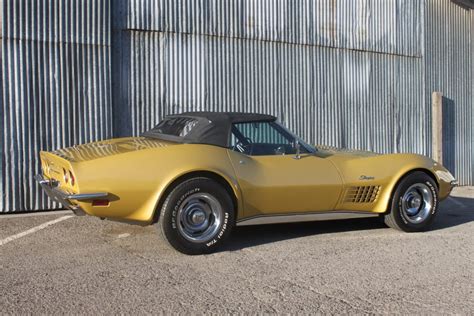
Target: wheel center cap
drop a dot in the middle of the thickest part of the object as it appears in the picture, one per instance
(416, 202)
(198, 217)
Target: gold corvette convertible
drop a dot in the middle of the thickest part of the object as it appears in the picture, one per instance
(199, 174)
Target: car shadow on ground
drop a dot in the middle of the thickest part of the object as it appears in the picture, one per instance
(453, 212)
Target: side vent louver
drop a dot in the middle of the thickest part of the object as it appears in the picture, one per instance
(362, 194)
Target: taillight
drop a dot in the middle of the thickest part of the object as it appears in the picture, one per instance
(73, 180)
(66, 176)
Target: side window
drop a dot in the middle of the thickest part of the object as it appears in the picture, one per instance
(261, 138)
(261, 133)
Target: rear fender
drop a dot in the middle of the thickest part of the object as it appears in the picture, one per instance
(174, 179)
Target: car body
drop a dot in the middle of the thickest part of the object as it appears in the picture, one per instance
(281, 179)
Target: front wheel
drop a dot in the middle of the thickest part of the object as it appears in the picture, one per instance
(197, 216)
(414, 203)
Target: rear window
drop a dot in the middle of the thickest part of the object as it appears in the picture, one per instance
(176, 126)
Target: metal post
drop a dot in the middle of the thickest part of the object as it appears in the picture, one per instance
(437, 126)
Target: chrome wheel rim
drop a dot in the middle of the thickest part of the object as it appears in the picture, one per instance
(417, 203)
(200, 217)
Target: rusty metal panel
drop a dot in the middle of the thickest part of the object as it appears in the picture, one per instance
(389, 26)
(449, 68)
(56, 87)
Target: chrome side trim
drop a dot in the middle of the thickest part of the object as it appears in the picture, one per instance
(86, 196)
(304, 217)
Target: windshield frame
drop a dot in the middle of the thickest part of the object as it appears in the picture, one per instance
(303, 143)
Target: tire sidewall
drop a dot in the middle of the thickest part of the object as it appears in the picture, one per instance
(398, 213)
(169, 215)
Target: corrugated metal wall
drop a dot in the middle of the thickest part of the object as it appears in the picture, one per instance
(329, 96)
(388, 26)
(448, 59)
(2, 106)
(342, 73)
(56, 87)
(339, 72)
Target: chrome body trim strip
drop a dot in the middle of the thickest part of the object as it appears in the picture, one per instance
(304, 217)
(86, 196)
(50, 187)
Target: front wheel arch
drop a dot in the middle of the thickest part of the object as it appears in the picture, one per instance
(405, 175)
(400, 215)
(195, 174)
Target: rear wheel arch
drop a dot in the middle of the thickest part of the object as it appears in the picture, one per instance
(195, 174)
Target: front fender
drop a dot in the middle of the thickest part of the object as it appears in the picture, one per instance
(385, 171)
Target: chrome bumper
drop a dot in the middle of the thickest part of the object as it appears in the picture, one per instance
(453, 184)
(51, 188)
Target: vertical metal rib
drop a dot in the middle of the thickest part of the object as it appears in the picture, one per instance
(56, 87)
(344, 73)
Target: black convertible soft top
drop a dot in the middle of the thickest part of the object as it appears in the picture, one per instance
(213, 128)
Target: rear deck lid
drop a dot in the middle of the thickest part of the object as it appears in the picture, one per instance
(109, 147)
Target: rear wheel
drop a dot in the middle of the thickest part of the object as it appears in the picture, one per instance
(197, 216)
(414, 203)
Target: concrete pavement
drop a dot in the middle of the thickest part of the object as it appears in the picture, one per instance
(85, 265)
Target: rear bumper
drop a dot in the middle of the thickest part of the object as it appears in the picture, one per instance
(51, 188)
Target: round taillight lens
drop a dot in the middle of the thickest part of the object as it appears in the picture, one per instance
(71, 176)
(66, 176)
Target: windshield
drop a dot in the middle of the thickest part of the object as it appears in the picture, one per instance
(303, 143)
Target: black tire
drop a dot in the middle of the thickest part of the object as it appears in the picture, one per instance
(193, 197)
(403, 213)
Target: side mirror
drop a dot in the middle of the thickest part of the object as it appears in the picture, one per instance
(298, 150)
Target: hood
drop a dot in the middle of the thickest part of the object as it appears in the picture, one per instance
(109, 147)
(330, 151)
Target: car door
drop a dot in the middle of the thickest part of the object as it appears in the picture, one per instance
(274, 180)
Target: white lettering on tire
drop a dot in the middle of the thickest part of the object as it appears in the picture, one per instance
(221, 232)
